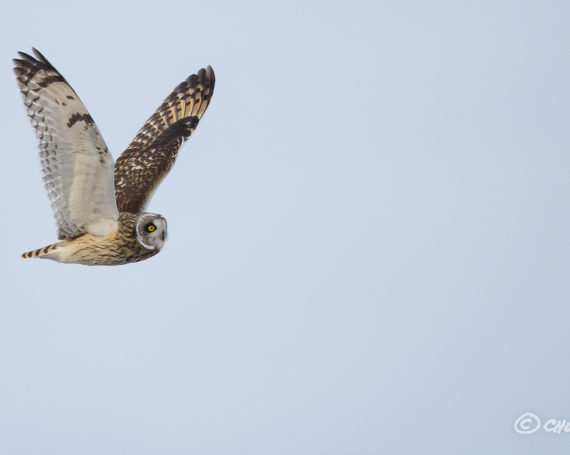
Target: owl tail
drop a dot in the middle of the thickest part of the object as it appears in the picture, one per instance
(41, 251)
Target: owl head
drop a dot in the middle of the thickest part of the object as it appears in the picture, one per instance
(151, 231)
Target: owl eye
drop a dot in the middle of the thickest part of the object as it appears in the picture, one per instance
(151, 227)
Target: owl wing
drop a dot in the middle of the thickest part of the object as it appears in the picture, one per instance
(76, 164)
(146, 161)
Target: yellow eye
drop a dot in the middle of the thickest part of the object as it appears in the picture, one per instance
(150, 227)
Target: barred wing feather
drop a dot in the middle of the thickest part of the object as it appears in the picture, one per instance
(76, 164)
(146, 161)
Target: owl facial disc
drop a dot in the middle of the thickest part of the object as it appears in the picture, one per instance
(151, 231)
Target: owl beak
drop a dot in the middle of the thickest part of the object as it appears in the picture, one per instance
(163, 236)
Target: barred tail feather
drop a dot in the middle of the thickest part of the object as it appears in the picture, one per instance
(40, 252)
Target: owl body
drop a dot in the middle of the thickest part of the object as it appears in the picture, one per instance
(99, 205)
(137, 237)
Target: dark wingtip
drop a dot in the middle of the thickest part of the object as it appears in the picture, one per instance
(34, 60)
(39, 55)
(207, 77)
(22, 64)
(27, 57)
(204, 76)
(211, 76)
(25, 61)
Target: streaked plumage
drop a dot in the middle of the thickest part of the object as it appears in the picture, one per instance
(99, 207)
(151, 154)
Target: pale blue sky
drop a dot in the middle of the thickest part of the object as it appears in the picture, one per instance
(368, 233)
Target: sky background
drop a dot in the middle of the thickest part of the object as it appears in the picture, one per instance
(368, 245)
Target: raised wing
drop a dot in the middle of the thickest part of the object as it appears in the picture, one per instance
(76, 164)
(146, 161)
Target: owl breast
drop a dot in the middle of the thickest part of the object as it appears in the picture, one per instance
(121, 247)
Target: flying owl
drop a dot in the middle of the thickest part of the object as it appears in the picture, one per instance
(99, 206)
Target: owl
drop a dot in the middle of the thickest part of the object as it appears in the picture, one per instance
(99, 206)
